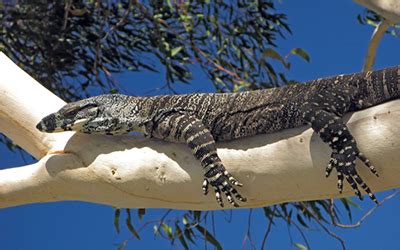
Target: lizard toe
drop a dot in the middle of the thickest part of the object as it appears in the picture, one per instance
(218, 196)
(367, 163)
(232, 179)
(345, 165)
(205, 187)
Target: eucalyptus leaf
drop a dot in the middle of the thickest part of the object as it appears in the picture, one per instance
(301, 52)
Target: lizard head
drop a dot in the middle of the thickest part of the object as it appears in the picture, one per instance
(73, 116)
(95, 115)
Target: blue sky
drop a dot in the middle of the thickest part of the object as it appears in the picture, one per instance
(329, 32)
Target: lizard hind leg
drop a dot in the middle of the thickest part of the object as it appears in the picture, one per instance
(334, 132)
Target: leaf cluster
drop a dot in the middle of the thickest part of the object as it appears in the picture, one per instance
(72, 45)
(186, 229)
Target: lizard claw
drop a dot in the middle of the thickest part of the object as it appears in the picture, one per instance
(218, 196)
(205, 187)
(344, 162)
(367, 163)
(232, 180)
(222, 181)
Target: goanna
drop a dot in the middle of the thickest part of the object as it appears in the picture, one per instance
(201, 119)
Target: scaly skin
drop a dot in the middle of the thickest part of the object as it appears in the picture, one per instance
(201, 119)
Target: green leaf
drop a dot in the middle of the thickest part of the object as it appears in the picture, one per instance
(141, 212)
(167, 229)
(184, 220)
(129, 224)
(166, 46)
(176, 50)
(188, 234)
(180, 236)
(300, 246)
(197, 215)
(122, 245)
(347, 202)
(155, 230)
(301, 52)
(351, 202)
(209, 237)
(116, 220)
(268, 52)
(301, 221)
(372, 23)
(170, 4)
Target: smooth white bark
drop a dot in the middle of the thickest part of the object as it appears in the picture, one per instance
(389, 9)
(129, 171)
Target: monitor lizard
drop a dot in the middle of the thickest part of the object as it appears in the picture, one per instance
(201, 119)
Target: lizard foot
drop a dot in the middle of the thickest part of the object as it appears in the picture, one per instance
(223, 181)
(344, 162)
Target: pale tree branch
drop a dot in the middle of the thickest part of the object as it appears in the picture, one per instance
(128, 171)
(373, 44)
(390, 10)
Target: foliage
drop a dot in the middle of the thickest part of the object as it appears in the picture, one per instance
(64, 42)
(188, 228)
(369, 17)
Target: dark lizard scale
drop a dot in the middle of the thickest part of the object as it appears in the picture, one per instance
(271, 110)
(201, 119)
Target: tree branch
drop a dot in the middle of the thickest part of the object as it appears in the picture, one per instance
(373, 44)
(389, 9)
(128, 171)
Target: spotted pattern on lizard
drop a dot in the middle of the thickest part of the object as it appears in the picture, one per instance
(201, 119)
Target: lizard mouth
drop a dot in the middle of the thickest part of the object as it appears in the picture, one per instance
(78, 124)
(49, 124)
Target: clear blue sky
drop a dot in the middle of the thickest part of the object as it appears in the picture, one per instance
(329, 32)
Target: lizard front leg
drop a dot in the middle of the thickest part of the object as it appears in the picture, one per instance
(180, 127)
(323, 112)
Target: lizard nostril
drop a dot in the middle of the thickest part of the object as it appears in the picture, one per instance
(47, 124)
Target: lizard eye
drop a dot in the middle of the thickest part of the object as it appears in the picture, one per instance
(87, 106)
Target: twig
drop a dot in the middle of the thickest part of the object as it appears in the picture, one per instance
(120, 22)
(248, 233)
(324, 227)
(217, 66)
(162, 219)
(302, 234)
(271, 219)
(213, 223)
(358, 223)
(66, 13)
(205, 233)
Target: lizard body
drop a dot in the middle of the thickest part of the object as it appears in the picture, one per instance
(201, 119)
